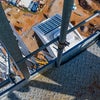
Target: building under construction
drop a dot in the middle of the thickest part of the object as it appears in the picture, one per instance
(18, 65)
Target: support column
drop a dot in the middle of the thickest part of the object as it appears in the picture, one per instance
(67, 9)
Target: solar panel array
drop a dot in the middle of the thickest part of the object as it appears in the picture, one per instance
(50, 24)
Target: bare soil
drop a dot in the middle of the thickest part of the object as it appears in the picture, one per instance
(24, 20)
(85, 8)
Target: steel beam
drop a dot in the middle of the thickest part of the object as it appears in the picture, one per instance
(10, 42)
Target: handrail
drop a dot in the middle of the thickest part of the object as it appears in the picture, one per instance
(56, 39)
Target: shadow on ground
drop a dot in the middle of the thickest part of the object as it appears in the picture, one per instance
(80, 77)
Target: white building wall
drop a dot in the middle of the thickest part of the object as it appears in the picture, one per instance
(25, 3)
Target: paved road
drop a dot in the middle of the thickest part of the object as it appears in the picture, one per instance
(72, 81)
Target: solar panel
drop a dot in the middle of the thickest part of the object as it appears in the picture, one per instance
(50, 24)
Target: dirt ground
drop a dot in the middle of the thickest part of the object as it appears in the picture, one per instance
(23, 20)
(79, 14)
(85, 13)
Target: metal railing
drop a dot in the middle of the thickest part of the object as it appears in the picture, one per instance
(56, 39)
(46, 45)
(10, 79)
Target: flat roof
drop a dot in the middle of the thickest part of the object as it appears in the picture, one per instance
(25, 3)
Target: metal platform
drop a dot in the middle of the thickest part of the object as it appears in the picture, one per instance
(9, 40)
(75, 74)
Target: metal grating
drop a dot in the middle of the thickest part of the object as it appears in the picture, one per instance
(51, 24)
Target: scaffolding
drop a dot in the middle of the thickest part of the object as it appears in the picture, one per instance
(19, 60)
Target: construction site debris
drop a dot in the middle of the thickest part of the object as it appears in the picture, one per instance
(84, 29)
(40, 59)
(84, 4)
(93, 27)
